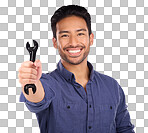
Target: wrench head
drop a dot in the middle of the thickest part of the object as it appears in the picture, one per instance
(34, 48)
(27, 86)
(28, 46)
(35, 45)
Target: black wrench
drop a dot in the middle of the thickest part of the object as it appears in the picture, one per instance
(32, 52)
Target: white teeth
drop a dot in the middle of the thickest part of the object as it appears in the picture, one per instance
(74, 51)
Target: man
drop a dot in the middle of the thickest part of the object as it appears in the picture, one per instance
(74, 98)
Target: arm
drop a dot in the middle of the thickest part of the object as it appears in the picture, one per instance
(123, 122)
(31, 73)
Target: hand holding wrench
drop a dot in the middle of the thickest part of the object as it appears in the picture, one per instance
(32, 52)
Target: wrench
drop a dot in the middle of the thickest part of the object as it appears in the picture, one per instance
(32, 52)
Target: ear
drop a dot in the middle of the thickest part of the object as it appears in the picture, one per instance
(54, 43)
(91, 38)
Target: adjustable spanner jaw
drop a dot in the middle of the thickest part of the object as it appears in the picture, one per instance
(32, 51)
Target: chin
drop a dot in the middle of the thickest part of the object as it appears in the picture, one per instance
(74, 61)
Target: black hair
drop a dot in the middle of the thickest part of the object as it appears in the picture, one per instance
(70, 10)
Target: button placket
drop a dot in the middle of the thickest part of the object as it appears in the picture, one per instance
(90, 109)
(80, 90)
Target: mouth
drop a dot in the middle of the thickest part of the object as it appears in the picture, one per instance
(74, 52)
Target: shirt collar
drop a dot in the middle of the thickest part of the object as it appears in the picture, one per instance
(69, 75)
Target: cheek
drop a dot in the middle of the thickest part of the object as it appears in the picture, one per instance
(60, 45)
(85, 41)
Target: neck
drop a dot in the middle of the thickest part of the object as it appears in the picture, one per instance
(81, 71)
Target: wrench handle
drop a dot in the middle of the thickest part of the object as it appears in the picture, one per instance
(32, 56)
(27, 86)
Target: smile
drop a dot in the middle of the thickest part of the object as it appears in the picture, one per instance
(74, 51)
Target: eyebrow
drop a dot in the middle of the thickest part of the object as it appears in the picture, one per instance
(60, 32)
(64, 31)
(81, 30)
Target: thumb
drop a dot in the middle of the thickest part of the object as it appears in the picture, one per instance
(38, 64)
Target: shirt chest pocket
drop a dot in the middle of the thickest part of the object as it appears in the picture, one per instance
(69, 117)
(105, 115)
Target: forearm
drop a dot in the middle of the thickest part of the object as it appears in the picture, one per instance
(39, 94)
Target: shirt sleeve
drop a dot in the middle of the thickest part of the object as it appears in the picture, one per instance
(123, 121)
(49, 96)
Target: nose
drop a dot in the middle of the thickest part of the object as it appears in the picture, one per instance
(73, 41)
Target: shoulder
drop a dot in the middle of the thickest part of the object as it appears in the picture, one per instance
(110, 85)
(107, 81)
(104, 77)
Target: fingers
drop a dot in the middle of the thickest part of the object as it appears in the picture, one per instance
(23, 70)
(27, 73)
(28, 76)
(26, 81)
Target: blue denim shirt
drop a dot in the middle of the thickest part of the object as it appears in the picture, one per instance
(67, 108)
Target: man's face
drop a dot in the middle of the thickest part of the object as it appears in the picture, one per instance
(73, 40)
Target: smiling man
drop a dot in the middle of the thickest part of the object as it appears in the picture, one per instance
(74, 98)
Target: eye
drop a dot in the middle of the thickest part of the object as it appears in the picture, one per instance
(64, 35)
(80, 34)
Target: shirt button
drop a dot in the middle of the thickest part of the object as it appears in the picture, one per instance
(68, 107)
(90, 105)
(89, 127)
